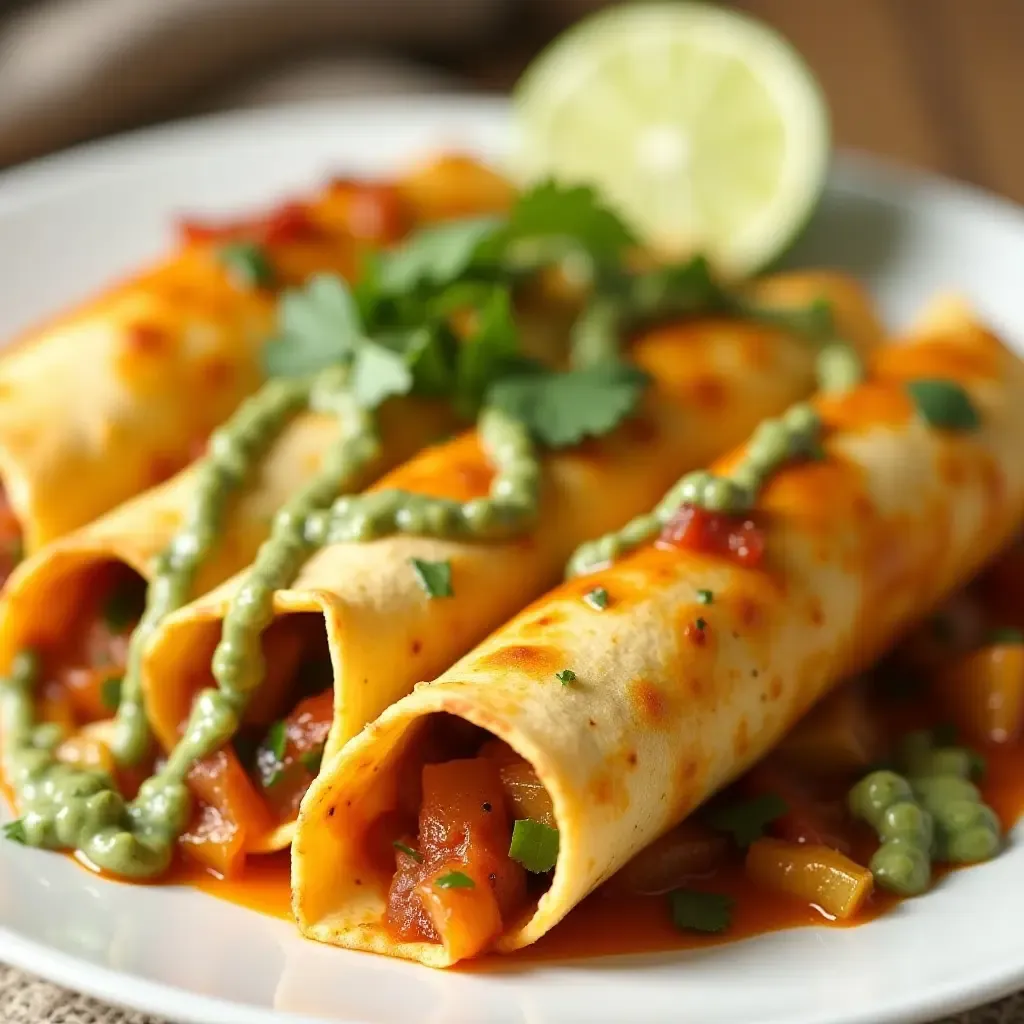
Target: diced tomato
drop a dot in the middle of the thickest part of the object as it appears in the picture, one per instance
(735, 537)
(285, 780)
(464, 829)
(10, 538)
(288, 223)
(234, 813)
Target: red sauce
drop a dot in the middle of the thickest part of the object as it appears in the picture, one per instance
(288, 223)
(735, 537)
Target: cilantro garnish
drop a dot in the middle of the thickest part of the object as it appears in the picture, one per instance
(408, 851)
(378, 373)
(561, 409)
(434, 577)
(270, 755)
(454, 880)
(705, 596)
(694, 911)
(319, 326)
(534, 845)
(15, 831)
(944, 404)
(110, 693)
(597, 598)
(312, 759)
(747, 820)
(566, 676)
(247, 263)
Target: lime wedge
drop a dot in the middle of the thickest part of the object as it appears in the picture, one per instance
(702, 126)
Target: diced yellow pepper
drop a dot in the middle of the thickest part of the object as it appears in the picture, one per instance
(983, 692)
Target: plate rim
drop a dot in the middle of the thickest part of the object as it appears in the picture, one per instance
(43, 177)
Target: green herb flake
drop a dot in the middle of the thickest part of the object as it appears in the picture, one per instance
(379, 373)
(270, 755)
(747, 820)
(534, 845)
(15, 831)
(248, 264)
(566, 676)
(561, 409)
(319, 325)
(701, 624)
(944, 404)
(597, 598)
(409, 851)
(434, 577)
(454, 880)
(110, 693)
(312, 759)
(705, 597)
(1005, 635)
(693, 911)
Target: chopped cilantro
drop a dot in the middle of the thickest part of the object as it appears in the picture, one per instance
(454, 880)
(319, 325)
(675, 290)
(943, 404)
(434, 577)
(701, 624)
(110, 693)
(437, 255)
(378, 373)
(488, 352)
(561, 409)
(247, 263)
(566, 676)
(597, 598)
(1005, 635)
(15, 831)
(747, 820)
(312, 759)
(694, 911)
(270, 755)
(705, 596)
(408, 851)
(534, 845)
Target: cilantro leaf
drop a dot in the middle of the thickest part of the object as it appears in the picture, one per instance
(248, 264)
(431, 353)
(437, 255)
(678, 289)
(488, 352)
(454, 880)
(378, 373)
(319, 326)
(943, 404)
(566, 676)
(747, 820)
(270, 755)
(408, 851)
(597, 598)
(694, 911)
(15, 831)
(434, 577)
(705, 596)
(561, 409)
(572, 212)
(110, 693)
(534, 845)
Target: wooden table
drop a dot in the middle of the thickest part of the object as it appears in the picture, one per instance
(938, 84)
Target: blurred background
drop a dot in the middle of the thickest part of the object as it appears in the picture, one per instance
(937, 84)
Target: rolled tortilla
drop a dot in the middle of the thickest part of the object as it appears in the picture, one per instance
(857, 547)
(713, 380)
(116, 396)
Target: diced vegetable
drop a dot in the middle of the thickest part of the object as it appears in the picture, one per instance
(746, 820)
(810, 872)
(692, 911)
(838, 736)
(525, 794)
(984, 693)
(688, 851)
(464, 829)
(534, 845)
(218, 840)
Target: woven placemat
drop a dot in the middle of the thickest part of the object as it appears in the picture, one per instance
(25, 999)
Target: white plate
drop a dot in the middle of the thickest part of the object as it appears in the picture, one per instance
(71, 222)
